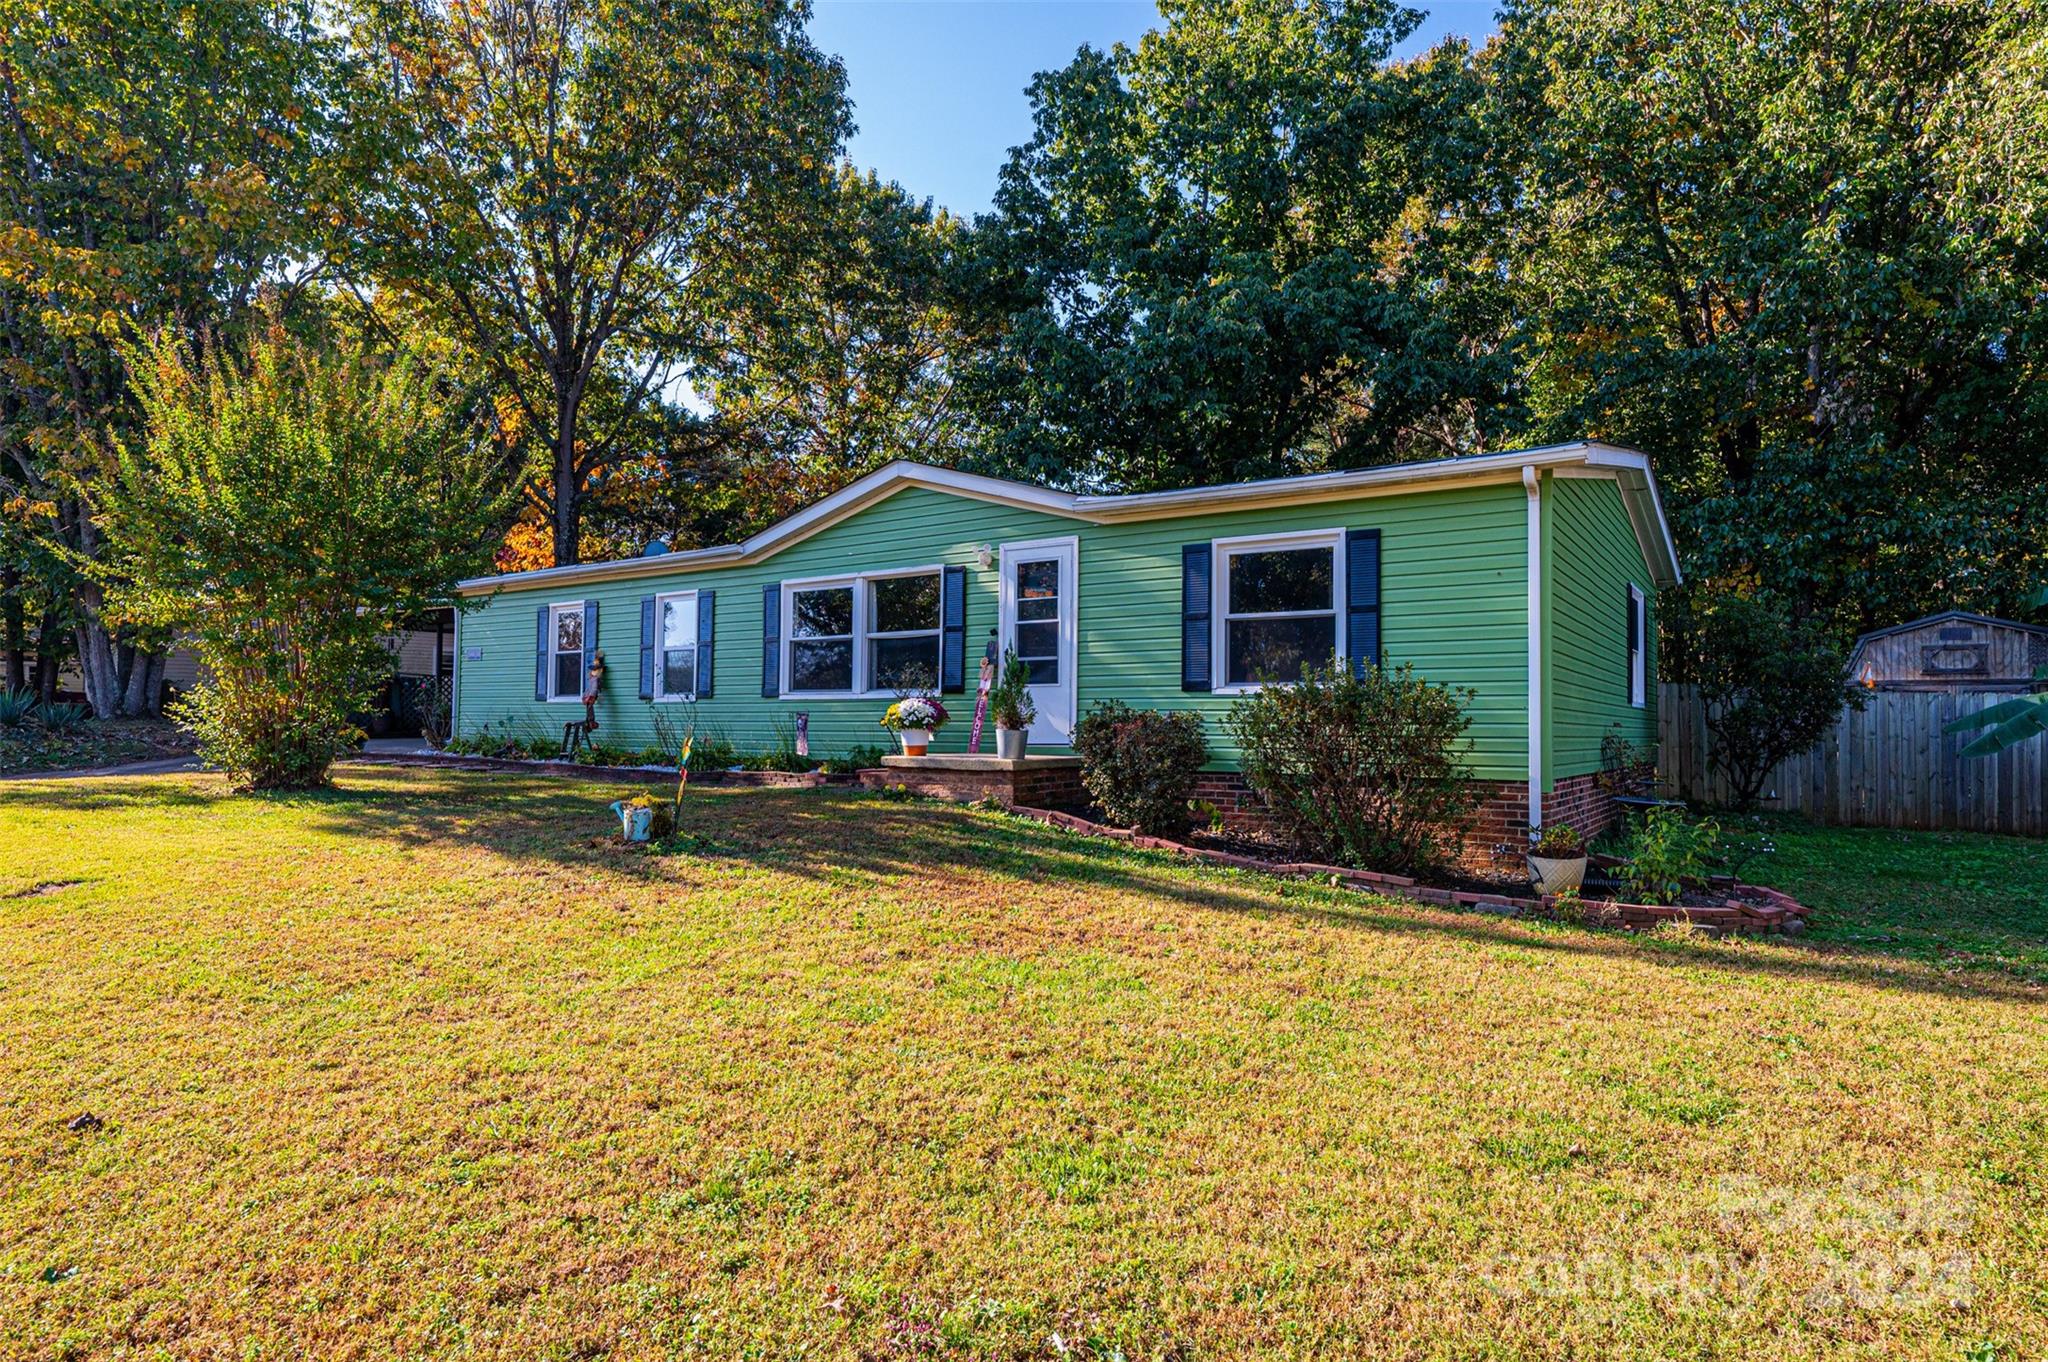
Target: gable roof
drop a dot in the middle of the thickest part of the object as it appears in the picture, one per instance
(1944, 617)
(1629, 468)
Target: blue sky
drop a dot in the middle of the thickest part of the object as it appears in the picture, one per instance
(938, 85)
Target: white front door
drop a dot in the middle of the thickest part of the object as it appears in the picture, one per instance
(1038, 625)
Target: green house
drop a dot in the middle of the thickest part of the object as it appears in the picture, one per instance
(1530, 577)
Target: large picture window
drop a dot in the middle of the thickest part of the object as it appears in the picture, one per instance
(903, 632)
(675, 621)
(873, 633)
(1279, 602)
(565, 651)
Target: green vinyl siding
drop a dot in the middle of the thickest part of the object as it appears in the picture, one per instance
(1591, 558)
(1453, 595)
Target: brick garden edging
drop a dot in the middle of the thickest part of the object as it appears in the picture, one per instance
(1780, 913)
(802, 780)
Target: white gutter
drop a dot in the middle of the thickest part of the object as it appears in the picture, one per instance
(1534, 488)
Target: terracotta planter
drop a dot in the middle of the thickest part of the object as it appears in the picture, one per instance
(1010, 743)
(1555, 874)
(916, 741)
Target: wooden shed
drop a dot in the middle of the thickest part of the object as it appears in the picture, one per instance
(1954, 650)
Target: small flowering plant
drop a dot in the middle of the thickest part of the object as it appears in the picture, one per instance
(1558, 841)
(915, 712)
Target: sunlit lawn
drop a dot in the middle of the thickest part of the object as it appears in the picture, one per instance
(420, 1068)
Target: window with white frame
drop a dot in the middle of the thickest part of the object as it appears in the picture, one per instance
(565, 651)
(821, 636)
(675, 622)
(874, 633)
(902, 632)
(1278, 607)
(1638, 649)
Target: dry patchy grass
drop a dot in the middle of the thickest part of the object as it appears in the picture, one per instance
(417, 1067)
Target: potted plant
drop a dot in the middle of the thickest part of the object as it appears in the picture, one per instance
(643, 818)
(1557, 859)
(914, 719)
(1009, 701)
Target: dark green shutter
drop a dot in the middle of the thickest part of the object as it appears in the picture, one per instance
(1362, 598)
(1196, 580)
(540, 662)
(705, 601)
(771, 640)
(953, 630)
(647, 647)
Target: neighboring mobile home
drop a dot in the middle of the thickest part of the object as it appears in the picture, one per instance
(1530, 577)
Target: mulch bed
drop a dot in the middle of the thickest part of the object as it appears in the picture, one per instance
(1744, 909)
(584, 771)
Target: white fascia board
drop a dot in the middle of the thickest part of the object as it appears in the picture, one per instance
(1630, 468)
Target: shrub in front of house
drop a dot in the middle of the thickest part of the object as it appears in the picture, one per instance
(1140, 765)
(1361, 769)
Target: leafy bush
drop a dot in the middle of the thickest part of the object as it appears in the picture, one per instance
(16, 706)
(1770, 683)
(860, 758)
(1668, 852)
(1558, 841)
(1361, 770)
(58, 717)
(712, 752)
(1140, 765)
(268, 749)
(782, 754)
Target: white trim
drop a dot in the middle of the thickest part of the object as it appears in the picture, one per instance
(1067, 548)
(1221, 551)
(858, 582)
(660, 696)
(1533, 485)
(1630, 469)
(554, 652)
(1639, 660)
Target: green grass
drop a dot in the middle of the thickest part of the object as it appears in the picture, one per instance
(427, 1066)
(1956, 900)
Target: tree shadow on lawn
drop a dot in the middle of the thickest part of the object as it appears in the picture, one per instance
(844, 837)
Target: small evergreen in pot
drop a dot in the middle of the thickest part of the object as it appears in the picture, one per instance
(1557, 859)
(1010, 704)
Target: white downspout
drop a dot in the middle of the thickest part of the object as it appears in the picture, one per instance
(1535, 575)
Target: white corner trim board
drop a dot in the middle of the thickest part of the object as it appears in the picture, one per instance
(1534, 487)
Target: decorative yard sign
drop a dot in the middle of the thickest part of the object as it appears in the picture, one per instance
(803, 733)
(988, 673)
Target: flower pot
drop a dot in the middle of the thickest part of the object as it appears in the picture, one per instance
(915, 740)
(1010, 743)
(1555, 874)
(636, 821)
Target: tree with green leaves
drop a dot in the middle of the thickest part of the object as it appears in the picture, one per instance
(563, 184)
(1794, 251)
(157, 165)
(285, 509)
(1230, 253)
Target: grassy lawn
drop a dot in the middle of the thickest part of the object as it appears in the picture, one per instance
(420, 1067)
(1959, 900)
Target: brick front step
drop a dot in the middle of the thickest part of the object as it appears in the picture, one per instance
(1039, 782)
(1778, 913)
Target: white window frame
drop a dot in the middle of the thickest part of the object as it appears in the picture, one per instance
(859, 582)
(555, 608)
(661, 694)
(1221, 551)
(1639, 660)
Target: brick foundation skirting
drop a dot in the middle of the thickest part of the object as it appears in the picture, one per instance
(1497, 838)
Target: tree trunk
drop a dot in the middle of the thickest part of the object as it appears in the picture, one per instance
(96, 655)
(568, 517)
(14, 628)
(49, 658)
(136, 696)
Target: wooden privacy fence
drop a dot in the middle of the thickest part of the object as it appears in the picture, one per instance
(1889, 765)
